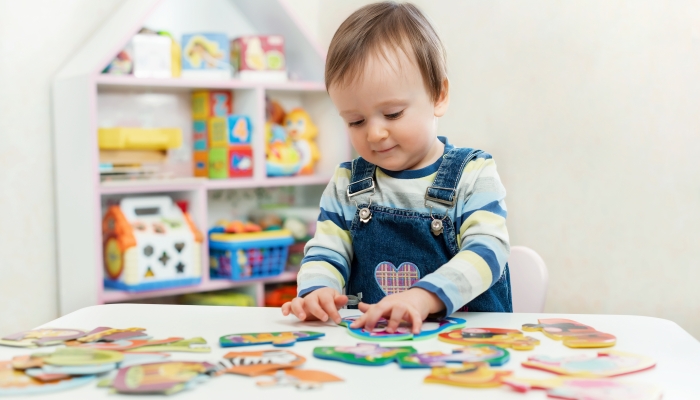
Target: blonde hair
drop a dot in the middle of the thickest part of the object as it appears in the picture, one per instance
(374, 28)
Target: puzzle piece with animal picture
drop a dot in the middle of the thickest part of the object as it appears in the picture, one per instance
(300, 378)
(430, 329)
(254, 363)
(571, 333)
(106, 334)
(471, 375)
(15, 382)
(368, 354)
(277, 339)
(161, 378)
(493, 355)
(510, 338)
(604, 364)
(41, 337)
(587, 388)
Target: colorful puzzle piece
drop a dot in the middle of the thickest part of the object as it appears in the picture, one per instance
(587, 389)
(430, 329)
(73, 356)
(472, 375)
(194, 345)
(493, 355)
(16, 382)
(572, 333)
(363, 354)
(511, 338)
(277, 339)
(122, 345)
(41, 337)
(106, 334)
(605, 364)
(300, 378)
(254, 363)
(161, 378)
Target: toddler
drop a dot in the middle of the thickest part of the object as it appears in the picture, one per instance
(414, 226)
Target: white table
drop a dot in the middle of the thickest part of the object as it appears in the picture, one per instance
(676, 352)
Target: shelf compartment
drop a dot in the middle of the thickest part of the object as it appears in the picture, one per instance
(106, 81)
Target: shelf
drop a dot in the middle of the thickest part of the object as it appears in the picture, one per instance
(184, 84)
(116, 296)
(186, 184)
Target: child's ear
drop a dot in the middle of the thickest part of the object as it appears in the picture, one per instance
(443, 100)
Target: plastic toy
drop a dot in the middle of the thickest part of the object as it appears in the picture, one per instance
(15, 382)
(511, 338)
(149, 243)
(194, 345)
(430, 329)
(300, 378)
(41, 337)
(248, 255)
(210, 103)
(572, 333)
(367, 354)
(254, 363)
(471, 375)
(281, 295)
(303, 132)
(493, 355)
(126, 138)
(161, 378)
(587, 389)
(237, 226)
(259, 57)
(277, 339)
(283, 159)
(605, 364)
(206, 55)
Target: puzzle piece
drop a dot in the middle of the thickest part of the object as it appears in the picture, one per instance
(511, 338)
(430, 329)
(571, 333)
(106, 334)
(587, 388)
(368, 354)
(73, 356)
(472, 375)
(123, 345)
(16, 382)
(194, 345)
(605, 364)
(161, 378)
(277, 339)
(300, 378)
(254, 363)
(493, 355)
(41, 337)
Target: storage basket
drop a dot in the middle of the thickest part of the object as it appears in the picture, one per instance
(243, 256)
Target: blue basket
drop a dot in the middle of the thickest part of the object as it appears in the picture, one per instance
(248, 258)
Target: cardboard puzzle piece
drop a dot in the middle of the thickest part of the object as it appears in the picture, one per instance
(587, 388)
(510, 338)
(15, 382)
(605, 364)
(106, 334)
(41, 337)
(254, 363)
(299, 378)
(161, 378)
(430, 329)
(472, 375)
(194, 345)
(71, 356)
(277, 339)
(571, 333)
(368, 354)
(493, 355)
(122, 345)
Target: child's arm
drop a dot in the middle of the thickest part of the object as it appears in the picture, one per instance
(326, 263)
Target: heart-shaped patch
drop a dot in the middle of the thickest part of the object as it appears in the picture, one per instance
(394, 280)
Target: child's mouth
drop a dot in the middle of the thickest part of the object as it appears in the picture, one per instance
(387, 150)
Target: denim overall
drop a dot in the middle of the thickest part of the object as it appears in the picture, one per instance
(403, 240)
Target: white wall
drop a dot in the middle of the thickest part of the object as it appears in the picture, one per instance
(591, 111)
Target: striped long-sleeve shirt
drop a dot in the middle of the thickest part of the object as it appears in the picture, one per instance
(479, 216)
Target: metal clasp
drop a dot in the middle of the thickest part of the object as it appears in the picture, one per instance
(441, 201)
(350, 195)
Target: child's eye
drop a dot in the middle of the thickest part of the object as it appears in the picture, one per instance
(394, 115)
(356, 123)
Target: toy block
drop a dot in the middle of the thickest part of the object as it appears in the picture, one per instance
(200, 135)
(201, 164)
(218, 163)
(240, 161)
(240, 129)
(218, 132)
(206, 103)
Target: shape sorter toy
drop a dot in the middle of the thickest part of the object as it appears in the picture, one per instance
(149, 243)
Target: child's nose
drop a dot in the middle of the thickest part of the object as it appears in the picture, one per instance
(376, 133)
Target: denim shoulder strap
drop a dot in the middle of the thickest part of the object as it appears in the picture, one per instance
(362, 177)
(444, 188)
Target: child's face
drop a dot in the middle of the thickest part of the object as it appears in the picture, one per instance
(391, 117)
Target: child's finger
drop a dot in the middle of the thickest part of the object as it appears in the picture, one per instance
(340, 300)
(298, 308)
(328, 305)
(360, 322)
(363, 307)
(397, 314)
(314, 308)
(374, 314)
(416, 320)
(286, 307)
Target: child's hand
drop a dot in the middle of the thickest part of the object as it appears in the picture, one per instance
(412, 305)
(317, 305)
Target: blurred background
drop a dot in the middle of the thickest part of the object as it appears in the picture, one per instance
(589, 108)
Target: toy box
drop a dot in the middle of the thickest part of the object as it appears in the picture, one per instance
(239, 256)
(211, 103)
(259, 58)
(206, 55)
(149, 243)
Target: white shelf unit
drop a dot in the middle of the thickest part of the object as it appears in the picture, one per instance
(84, 99)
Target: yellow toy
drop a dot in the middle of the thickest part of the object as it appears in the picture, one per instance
(283, 158)
(123, 138)
(302, 131)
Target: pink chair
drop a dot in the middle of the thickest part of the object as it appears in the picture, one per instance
(528, 279)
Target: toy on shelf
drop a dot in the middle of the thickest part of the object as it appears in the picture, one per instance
(605, 364)
(511, 338)
(128, 138)
(368, 354)
(430, 329)
(277, 339)
(238, 256)
(587, 388)
(149, 243)
(493, 355)
(282, 157)
(281, 295)
(302, 131)
(259, 58)
(572, 333)
(254, 363)
(471, 375)
(149, 54)
(206, 56)
(290, 140)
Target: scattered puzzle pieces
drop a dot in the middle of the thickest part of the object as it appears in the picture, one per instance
(605, 364)
(15, 382)
(511, 338)
(587, 388)
(122, 345)
(41, 337)
(363, 354)
(493, 355)
(430, 329)
(277, 339)
(472, 375)
(254, 363)
(571, 333)
(194, 345)
(162, 378)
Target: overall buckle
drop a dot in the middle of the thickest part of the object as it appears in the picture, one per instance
(448, 203)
